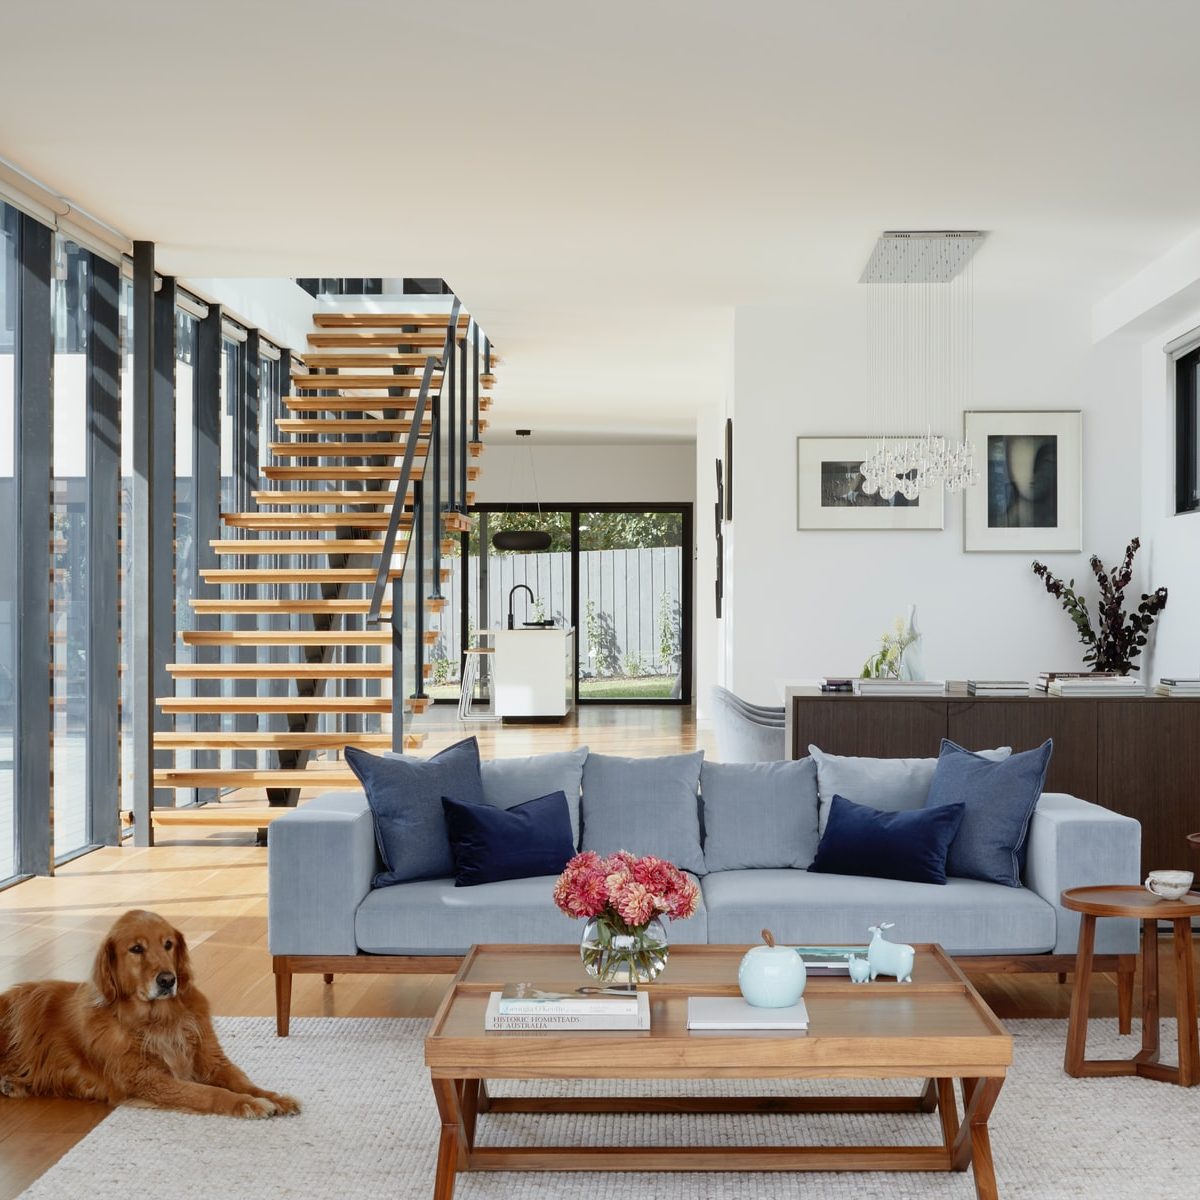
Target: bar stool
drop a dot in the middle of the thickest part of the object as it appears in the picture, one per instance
(470, 678)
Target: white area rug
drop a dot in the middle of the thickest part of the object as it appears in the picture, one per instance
(369, 1129)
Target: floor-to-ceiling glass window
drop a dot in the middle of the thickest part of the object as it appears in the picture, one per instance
(125, 555)
(185, 543)
(69, 548)
(9, 231)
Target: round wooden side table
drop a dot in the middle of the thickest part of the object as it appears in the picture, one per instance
(1137, 903)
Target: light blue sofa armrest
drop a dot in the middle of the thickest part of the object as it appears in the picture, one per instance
(1076, 844)
(321, 859)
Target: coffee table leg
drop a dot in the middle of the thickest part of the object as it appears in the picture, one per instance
(452, 1145)
(1185, 1003)
(973, 1146)
(947, 1111)
(1077, 1026)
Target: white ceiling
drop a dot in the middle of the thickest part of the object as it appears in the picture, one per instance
(602, 183)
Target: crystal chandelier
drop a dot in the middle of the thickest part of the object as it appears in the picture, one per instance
(921, 325)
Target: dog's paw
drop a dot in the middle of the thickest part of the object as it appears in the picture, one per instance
(254, 1108)
(12, 1089)
(286, 1106)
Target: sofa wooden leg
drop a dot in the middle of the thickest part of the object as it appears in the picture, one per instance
(1062, 977)
(283, 1001)
(1126, 971)
(329, 977)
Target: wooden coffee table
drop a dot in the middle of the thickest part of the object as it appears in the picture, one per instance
(936, 1029)
(1130, 900)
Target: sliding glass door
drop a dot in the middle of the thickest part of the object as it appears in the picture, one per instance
(631, 605)
(8, 527)
(620, 575)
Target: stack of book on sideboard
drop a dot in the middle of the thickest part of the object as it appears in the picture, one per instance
(900, 687)
(1089, 683)
(522, 1006)
(997, 687)
(1178, 687)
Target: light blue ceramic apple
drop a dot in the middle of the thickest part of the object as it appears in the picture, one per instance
(772, 976)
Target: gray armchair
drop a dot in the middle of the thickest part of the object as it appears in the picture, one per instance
(746, 732)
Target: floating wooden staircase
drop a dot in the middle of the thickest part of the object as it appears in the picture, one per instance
(281, 669)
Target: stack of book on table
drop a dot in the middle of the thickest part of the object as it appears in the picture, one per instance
(522, 1006)
(1097, 683)
(901, 687)
(1178, 687)
(998, 687)
(837, 683)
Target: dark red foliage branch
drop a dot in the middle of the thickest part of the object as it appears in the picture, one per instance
(1118, 637)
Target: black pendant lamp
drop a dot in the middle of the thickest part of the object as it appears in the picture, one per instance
(524, 539)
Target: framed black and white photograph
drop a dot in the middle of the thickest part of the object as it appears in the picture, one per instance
(830, 495)
(1029, 494)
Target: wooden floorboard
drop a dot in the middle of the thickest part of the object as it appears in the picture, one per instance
(213, 885)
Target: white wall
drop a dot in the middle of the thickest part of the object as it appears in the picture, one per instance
(1171, 543)
(647, 472)
(815, 603)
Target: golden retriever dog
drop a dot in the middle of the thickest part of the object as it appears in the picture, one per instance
(138, 1032)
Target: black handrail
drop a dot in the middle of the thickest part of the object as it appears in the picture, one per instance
(374, 612)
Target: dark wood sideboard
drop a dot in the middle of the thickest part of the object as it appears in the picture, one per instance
(1139, 756)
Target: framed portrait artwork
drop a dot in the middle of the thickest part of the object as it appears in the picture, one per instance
(1029, 494)
(829, 491)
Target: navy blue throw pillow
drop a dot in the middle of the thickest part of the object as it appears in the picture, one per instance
(405, 795)
(527, 840)
(999, 798)
(911, 845)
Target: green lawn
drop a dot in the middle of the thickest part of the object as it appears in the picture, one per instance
(637, 687)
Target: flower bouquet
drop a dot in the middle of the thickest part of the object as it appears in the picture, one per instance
(623, 899)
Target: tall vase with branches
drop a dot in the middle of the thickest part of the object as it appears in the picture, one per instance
(1118, 636)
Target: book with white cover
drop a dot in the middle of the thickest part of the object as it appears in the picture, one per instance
(732, 1012)
(528, 999)
(901, 687)
(493, 1018)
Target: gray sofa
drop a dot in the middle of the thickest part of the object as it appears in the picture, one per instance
(325, 917)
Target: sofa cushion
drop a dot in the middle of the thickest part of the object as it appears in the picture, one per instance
(759, 814)
(645, 806)
(889, 784)
(509, 781)
(405, 795)
(999, 799)
(489, 843)
(861, 840)
(966, 916)
(432, 916)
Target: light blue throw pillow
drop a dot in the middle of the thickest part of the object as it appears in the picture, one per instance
(888, 784)
(405, 796)
(759, 814)
(1000, 798)
(511, 781)
(645, 806)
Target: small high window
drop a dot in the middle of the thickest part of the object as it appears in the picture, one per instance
(1187, 432)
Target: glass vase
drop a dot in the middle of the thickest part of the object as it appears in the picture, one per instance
(621, 955)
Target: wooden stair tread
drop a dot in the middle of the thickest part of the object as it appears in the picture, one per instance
(329, 777)
(390, 448)
(242, 575)
(326, 498)
(280, 670)
(299, 607)
(275, 704)
(404, 383)
(213, 816)
(376, 337)
(306, 546)
(312, 520)
(349, 403)
(342, 472)
(286, 637)
(350, 425)
(267, 741)
(376, 358)
(386, 320)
